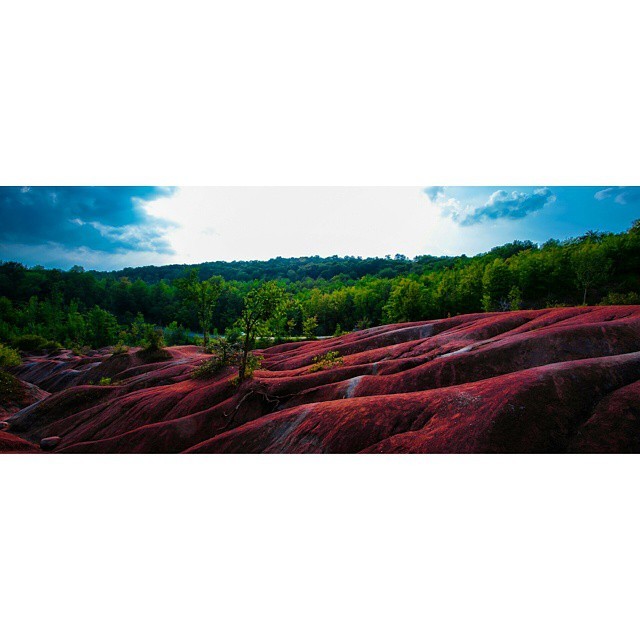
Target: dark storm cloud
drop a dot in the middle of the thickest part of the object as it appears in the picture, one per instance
(105, 219)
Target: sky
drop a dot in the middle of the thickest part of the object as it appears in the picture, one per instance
(109, 228)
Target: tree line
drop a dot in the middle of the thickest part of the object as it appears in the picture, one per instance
(313, 296)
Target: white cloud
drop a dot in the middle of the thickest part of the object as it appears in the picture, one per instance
(620, 195)
(500, 204)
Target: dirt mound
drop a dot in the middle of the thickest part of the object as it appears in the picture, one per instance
(10, 443)
(22, 395)
(554, 380)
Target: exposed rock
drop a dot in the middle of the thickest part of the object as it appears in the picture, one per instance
(48, 444)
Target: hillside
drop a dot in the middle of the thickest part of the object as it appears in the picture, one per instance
(559, 380)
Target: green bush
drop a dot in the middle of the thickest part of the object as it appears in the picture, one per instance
(7, 333)
(254, 362)
(225, 350)
(338, 333)
(29, 342)
(102, 328)
(329, 360)
(621, 298)
(9, 357)
(310, 327)
(363, 324)
(104, 382)
(232, 334)
(225, 354)
(176, 334)
(79, 350)
(153, 344)
(10, 387)
(153, 339)
(51, 346)
(264, 342)
(119, 349)
(208, 369)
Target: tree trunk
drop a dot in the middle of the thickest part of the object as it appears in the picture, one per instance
(242, 372)
(584, 299)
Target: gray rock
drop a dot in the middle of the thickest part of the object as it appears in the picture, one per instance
(48, 444)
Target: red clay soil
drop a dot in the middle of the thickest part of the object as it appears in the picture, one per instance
(10, 443)
(554, 380)
(24, 396)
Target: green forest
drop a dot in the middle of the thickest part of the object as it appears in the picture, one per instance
(45, 308)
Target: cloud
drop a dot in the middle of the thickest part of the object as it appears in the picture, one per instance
(620, 195)
(111, 220)
(53, 255)
(434, 192)
(501, 204)
(511, 205)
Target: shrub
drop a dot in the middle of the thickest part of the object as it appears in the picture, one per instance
(175, 334)
(254, 362)
(225, 350)
(153, 344)
(339, 332)
(29, 342)
(310, 327)
(232, 334)
(8, 357)
(79, 350)
(515, 299)
(119, 349)
(104, 382)
(621, 298)
(153, 339)
(225, 354)
(208, 369)
(7, 332)
(10, 388)
(102, 328)
(51, 346)
(265, 342)
(361, 325)
(329, 360)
